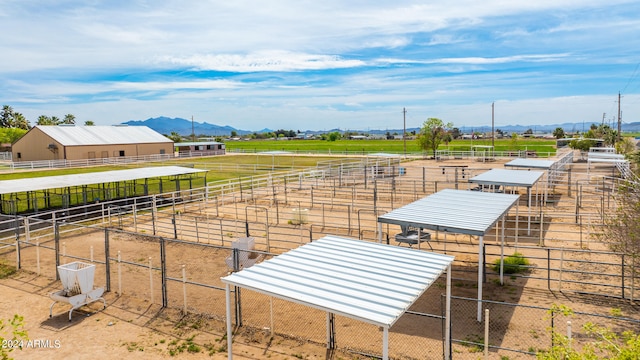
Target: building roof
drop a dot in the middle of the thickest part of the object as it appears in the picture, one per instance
(507, 177)
(62, 181)
(455, 211)
(197, 143)
(371, 282)
(103, 135)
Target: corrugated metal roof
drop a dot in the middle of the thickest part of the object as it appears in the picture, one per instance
(103, 135)
(456, 211)
(508, 177)
(372, 282)
(62, 181)
(530, 163)
(197, 143)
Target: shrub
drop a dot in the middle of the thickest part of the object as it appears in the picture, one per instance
(513, 264)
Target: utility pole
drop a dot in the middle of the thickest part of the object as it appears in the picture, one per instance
(493, 134)
(193, 133)
(404, 130)
(603, 115)
(619, 119)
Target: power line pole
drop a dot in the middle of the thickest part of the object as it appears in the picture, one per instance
(193, 133)
(404, 130)
(619, 118)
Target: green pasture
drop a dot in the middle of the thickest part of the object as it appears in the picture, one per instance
(543, 146)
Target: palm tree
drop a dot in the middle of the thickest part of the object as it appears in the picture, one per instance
(6, 116)
(44, 120)
(69, 119)
(20, 122)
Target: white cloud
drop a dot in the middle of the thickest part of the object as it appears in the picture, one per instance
(262, 61)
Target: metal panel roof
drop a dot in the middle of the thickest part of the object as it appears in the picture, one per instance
(508, 177)
(197, 143)
(530, 163)
(456, 211)
(103, 135)
(372, 282)
(62, 181)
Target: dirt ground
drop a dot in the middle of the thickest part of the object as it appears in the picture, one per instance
(133, 328)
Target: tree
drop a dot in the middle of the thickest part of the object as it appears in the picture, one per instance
(621, 230)
(582, 144)
(334, 136)
(89, 123)
(625, 146)
(44, 120)
(69, 119)
(432, 133)
(175, 137)
(558, 133)
(605, 344)
(6, 116)
(514, 142)
(20, 122)
(234, 133)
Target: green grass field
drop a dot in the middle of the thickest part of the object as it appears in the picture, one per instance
(389, 146)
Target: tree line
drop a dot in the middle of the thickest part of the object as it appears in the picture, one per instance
(10, 118)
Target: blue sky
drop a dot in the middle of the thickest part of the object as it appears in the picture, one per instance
(319, 65)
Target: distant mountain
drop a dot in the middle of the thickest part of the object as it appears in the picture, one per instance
(165, 125)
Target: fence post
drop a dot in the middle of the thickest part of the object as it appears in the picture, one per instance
(486, 334)
(119, 274)
(622, 273)
(163, 272)
(135, 215)
(184, 288)
(91, 253)
(107, 265)
(549, 269)
(154, 210)
(569, 332)
(38, 257)
(56, 242)
(175, 228)
(151, 279)
(560, 274)
(17, 231)
(27, 232)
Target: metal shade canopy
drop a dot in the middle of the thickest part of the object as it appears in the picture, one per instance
(63, 181)
(371, 282)
(454, 211)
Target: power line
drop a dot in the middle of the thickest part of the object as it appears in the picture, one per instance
(633, 77)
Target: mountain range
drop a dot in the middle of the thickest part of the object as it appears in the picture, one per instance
(184, 127)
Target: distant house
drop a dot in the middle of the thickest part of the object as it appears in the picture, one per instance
(357, 137)
(66, 142)
(200, 148)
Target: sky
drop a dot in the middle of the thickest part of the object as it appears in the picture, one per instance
(322, 65)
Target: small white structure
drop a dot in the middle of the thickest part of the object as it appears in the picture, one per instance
(246, 257)
(77, 283)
